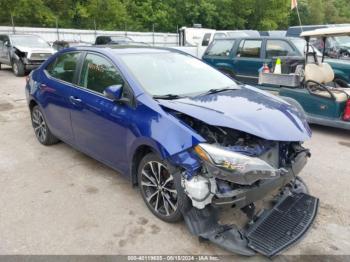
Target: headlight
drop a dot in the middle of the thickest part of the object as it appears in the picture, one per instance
(232, 161)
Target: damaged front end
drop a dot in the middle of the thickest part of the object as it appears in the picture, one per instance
(233, 169)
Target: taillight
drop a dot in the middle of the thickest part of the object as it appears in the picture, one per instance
(346, 115)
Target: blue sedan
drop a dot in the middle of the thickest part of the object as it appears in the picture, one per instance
(190, 137)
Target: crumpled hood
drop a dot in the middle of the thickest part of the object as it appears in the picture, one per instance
(34, 50)
(246, 109)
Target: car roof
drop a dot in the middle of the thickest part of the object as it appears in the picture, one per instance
(126, 49)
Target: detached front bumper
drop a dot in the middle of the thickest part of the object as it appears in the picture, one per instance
(272, 232)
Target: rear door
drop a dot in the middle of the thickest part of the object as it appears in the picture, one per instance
(100, 125)
(248, 60)
(54, 90)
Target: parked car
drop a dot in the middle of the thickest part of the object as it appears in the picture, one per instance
(23, 52)
(308, 85)
(242, 58)
(337, 47)
(189, 137)
(107, 39)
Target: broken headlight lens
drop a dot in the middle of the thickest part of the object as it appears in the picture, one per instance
(233, 161)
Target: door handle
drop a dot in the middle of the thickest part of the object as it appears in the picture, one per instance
(74, 100)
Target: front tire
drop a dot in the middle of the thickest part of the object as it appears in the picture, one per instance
(161, 188)
(18, 68)
(41, 130)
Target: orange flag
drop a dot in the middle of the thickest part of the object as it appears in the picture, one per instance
(294, 4)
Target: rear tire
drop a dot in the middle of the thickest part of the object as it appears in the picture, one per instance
(18, 68)
(41, 130)
(161, 188)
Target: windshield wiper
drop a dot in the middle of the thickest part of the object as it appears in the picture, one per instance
(218, 90)
(168, 97)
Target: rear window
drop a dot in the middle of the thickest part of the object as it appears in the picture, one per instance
(276, 48)
(249, 48)
(220, 48)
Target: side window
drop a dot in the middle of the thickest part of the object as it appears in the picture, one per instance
(206, 39)
(63, 67)
(98, 73)
(249, 48)
(278, 48)
(221, 48)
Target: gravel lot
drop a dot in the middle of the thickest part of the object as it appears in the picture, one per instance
(56, 200)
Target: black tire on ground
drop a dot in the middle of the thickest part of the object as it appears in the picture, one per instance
(41, 130)
(161, 201)
(340, 83)
(18, 68)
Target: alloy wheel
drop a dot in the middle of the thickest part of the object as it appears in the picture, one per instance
(159, 188)
(39, 125)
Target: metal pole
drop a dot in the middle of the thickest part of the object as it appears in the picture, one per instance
(301, 27)
(58, 34)
(95, 27)
(13, 24)
(153, 34)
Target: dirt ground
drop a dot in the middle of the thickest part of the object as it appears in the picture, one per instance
(56, 200)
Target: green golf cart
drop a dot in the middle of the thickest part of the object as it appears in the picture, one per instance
(310, 86)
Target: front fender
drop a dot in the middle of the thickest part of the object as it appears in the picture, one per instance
(160, 130)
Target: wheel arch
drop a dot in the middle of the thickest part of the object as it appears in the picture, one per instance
(138, 154)
(31, 104)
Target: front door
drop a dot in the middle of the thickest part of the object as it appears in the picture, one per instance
(100, 125)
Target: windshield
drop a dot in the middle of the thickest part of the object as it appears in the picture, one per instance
(29, 40)
(342, 40)
(300, 44)
(176, 74)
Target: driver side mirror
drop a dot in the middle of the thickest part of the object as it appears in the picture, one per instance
(7, 43)
(113, 92)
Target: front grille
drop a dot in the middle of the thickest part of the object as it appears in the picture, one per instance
(283, 225)
(40, 56)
